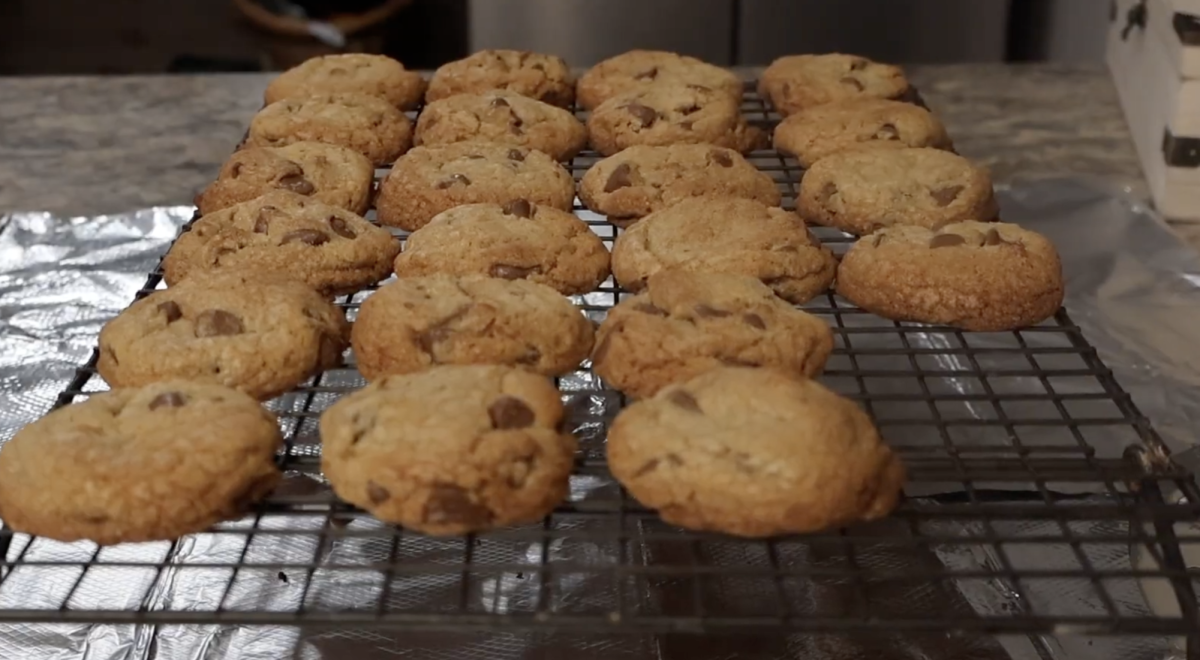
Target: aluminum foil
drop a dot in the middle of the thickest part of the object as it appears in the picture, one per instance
(1133, 287)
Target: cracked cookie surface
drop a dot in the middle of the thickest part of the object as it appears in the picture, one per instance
(643, 69)
(672, 114)
(726, 235)
(327, 173)
(795, 82)
(823, 130)
(859, 191)
(357, 73)
(452, 450)
(755, 453)
(546, 78)
(262, 336)
(644, 179)
(684, 324)
(139, 464)
(517, 240)
(502, 117)
(283, 233)
(429, 180)
(984, 276)
(366, 124)
(414, 324)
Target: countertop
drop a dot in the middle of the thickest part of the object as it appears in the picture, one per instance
(92, 145)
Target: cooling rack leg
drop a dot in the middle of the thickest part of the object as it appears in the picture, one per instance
(6, 537)
(1172, 557)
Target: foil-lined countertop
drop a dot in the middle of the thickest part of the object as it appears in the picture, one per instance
(93, 145)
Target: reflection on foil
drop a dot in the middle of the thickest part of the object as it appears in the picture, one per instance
(1132, 288)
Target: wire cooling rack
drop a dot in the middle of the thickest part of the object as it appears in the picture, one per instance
(1035, 483)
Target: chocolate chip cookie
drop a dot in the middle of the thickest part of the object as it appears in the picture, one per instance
(726, 235)
(366, 124)
(971, 275)
(452, 450)
(325, 172)
(139, 464)
(517, 240)
(641, 180)
(283, 233)
(795, 82)
(684, 324)
(642, 69)
(546, 78)
(823, 130)
(430, 180)
(263, 336)
(504, 118)
(754, 453)
(859, 191)
(355, 73)
(414, 324)
(671, 114)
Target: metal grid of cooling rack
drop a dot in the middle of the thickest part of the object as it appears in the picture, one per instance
(1032, 473)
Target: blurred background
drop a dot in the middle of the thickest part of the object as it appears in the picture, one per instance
(149, 36)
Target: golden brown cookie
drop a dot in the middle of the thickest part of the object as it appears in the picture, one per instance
(430, 180)
(823, 130)
(795, 82)
(325, 172)
(504, 118)
(755, 453)
(726, 235)
(671, 114)
(641, 180)
(546, 78)
(643, 69)
(517, 240)
(686, 323)
(366, 124)
(970, 275)
(282, 233)
(862, 190)
(452, 450)
(261, 335)
(355, 73)
(139, 464)
(414, 324)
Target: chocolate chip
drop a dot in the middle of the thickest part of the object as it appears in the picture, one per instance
(531, 356)
(685, 400)
(516, 154)
(647, 308)
(688, 109)
(943, 196)
(235, 171)
(518, 207)
(218, 323)
(439, 331)
(515, 127)
(506, 272)
(498, 102)
(708, 312)
(853, 82)
(827, 192)
(264, 219)
(297, 184)
(644, 114)
(619, 178)
(946, 240)
(993, 237)
(887, 132)
(649, 74)
(307, 236)
(169, 400)
(170, 309)
(754, 321)
(723, 159)
(859, 63)
(376, 493)
(451, 180)
(448, 503)
(340, 227)
(509, 412)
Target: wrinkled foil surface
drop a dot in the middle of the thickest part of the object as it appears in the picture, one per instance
(1133, 287)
